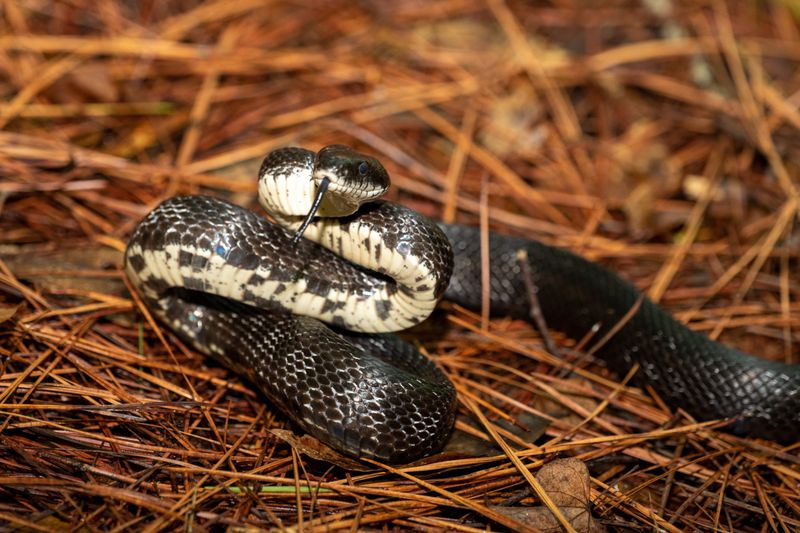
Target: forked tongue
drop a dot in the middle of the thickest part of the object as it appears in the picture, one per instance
(323, 187)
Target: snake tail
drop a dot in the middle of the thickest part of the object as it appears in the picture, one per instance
(689, 371)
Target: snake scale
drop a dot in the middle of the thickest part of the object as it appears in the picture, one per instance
(307, 321)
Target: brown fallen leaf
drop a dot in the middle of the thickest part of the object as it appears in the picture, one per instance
(566, 481)
(543, 520)
(95, 80)
(6, 313)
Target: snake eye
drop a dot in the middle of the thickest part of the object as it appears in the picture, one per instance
(363, 168)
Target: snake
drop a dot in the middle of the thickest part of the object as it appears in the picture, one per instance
(311, 321)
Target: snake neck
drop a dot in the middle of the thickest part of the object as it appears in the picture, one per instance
(398, 244)
(286, 182)
(409, 253)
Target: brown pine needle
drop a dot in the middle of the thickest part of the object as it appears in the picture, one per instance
(661, 143)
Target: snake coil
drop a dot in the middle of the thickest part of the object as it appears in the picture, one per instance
(248, 293)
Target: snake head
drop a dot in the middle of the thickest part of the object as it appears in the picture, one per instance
(345, 179)
(353, 179)
(335, 182)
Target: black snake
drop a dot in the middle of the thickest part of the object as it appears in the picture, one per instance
(229, 282)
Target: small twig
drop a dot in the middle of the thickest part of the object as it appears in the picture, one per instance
(535, 309)
(486, 277)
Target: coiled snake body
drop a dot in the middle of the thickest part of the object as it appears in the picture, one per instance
(248, 293)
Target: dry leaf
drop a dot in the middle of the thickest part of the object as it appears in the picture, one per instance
(7, 312)
(94, 79)
(566, 481)
(543, 520)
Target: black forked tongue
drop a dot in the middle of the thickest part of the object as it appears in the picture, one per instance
(323, 186)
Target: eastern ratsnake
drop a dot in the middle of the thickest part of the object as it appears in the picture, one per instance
(242, 290)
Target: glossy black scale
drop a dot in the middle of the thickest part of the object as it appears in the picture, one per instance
(688, 370)
(377, 396)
